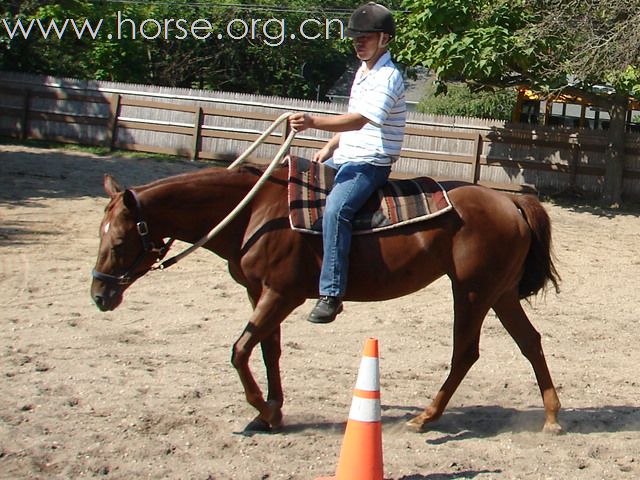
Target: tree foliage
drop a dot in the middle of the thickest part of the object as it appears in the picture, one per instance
(594, 42)
(264, 60)
(483, 42)
(545, 44)
(575, 46)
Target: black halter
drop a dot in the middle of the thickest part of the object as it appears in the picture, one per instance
(147, 247)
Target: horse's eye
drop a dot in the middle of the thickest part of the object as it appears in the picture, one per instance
(117, 250)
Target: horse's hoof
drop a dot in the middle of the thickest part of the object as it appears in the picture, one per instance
(274, 415)
(257, 425)
(260, 425)
(552, 429)
(417, 424)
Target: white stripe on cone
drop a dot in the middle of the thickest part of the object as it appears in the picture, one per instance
(368, 376)
(365, 409)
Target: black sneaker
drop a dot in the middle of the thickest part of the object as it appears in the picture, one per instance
(325, 310)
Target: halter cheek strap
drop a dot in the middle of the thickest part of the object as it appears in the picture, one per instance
(147, 247)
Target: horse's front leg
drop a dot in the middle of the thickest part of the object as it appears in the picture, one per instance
(271, 352)
(264, 327)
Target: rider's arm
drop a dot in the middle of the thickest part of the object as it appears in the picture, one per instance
(334, 123)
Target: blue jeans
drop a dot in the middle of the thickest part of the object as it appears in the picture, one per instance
(354, 184)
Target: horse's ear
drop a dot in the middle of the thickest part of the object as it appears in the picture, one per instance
(111, 186)
(129, 199)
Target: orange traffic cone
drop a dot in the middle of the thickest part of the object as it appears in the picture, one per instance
(361, 454)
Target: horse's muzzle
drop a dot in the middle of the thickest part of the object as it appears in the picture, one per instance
(100, 303)
(105, 297)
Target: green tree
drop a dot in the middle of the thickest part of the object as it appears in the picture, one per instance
(256, 53)
(547, 45)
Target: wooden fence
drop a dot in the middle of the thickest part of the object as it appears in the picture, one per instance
(210, 125)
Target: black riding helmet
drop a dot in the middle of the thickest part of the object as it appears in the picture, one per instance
(371, 17)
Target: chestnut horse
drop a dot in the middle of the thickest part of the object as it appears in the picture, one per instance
(494, 247)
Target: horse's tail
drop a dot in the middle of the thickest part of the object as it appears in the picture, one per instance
(539, 269)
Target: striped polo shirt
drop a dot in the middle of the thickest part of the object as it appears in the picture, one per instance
(379, 97)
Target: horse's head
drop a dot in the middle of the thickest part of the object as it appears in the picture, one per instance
(127, 247)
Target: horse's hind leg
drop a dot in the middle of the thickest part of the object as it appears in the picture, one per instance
(468, 317)
(515, 320)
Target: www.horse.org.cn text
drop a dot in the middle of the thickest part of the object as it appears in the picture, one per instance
(272, 32)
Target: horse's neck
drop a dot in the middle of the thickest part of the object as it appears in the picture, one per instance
(187, 207)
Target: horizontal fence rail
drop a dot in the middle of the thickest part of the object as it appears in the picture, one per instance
(217, 125)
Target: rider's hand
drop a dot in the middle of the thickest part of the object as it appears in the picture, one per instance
(323, 154)
(300, 121)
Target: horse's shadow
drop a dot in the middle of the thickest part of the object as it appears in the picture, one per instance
(595, 207)
(467, 474)
(477, 422)
(488, 421)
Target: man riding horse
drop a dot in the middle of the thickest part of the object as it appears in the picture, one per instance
(368, 140)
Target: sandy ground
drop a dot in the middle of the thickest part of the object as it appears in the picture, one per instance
(147, 391)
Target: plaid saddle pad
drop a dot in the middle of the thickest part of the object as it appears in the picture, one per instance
(399, 202)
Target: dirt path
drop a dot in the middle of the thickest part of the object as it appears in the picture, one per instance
(147, 391)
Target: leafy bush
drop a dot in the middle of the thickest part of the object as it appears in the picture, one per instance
(459, 100)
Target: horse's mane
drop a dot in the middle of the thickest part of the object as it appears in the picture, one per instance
(207, 175)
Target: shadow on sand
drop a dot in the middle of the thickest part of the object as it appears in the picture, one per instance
(487, 421)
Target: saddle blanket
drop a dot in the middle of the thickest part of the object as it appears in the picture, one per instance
(399, 202)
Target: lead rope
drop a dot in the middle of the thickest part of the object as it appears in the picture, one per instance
(263, 178)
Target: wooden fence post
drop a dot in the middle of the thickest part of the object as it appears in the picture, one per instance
(114, 113)
(197, 130)
(24, 130)
(475, 175)
(573, 165)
